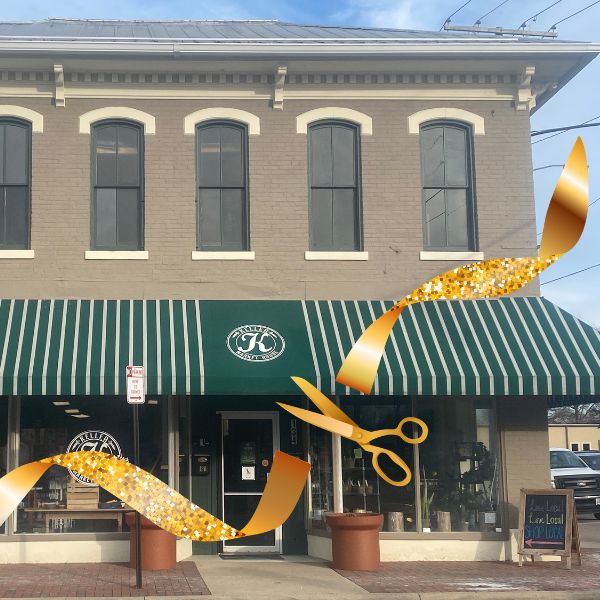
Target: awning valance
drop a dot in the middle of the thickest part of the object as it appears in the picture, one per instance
(508, 346)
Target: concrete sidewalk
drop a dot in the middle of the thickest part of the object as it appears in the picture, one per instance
(302, 578)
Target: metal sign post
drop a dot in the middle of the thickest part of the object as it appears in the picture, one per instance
(135, 397)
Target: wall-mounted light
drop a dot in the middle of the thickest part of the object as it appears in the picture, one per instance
(81, 416)
(71, 411)
(61, 403)
(152, 401)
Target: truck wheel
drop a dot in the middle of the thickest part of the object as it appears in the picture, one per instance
(597, 515)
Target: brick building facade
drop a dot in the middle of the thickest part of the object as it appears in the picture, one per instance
(74, 315)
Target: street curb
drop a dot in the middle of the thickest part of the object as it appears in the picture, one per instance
(475, 595)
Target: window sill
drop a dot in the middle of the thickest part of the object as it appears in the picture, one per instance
(432, 255)
(116, 255)
(17, 254)
(231, 255)
(318, 255)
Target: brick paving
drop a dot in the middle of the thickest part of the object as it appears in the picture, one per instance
(97, 579)
(442, 576)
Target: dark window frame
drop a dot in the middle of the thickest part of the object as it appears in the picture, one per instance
(27, 126)
(357, 177)
(472, 228)
(139, 127)
(246, 184)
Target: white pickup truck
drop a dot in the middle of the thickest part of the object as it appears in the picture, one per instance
(568, 471)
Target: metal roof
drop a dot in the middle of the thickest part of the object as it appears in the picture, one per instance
(225, 31)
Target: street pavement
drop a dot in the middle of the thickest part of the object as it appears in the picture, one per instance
(589, 531)
(303, 578)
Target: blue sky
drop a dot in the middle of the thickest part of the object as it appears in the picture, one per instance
(578, 102)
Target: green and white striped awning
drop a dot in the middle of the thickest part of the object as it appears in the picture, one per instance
(508, 346)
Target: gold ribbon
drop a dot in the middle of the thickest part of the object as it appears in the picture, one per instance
(157, 501)
(563, 226)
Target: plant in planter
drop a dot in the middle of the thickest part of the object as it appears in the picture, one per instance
(426, 500)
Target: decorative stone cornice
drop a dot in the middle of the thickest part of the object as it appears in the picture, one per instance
(278, 91)
(59, 84)
(520, 88)
(525, 98)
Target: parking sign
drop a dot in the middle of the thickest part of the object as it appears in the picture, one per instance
(135, 385)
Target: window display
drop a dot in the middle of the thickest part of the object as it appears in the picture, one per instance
(363, 489)
(321, 477)
(459, 469)
(65, 502)
(455, 469)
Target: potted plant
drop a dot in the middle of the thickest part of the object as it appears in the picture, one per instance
(426, 500)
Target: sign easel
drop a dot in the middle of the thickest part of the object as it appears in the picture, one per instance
(548, 525)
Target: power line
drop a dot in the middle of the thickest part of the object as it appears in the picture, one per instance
(561, 132)
(571, 274)
(573, 15)
(455, 12)
(567, 128)
(487, 14)
(547, 167)
(534, 17)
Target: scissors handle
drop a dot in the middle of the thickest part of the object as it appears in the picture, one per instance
(368, 436)
(377, 452)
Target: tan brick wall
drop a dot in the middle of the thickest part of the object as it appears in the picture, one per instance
(523, 424)
(278, 206)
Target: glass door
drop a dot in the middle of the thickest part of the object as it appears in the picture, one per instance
(249, 443)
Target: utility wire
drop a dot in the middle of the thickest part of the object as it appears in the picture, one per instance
(547, 167)
(567, 128)
(561, 132)
(571, 274)
(573, 15)
(534, 17)
(455, 12)
(478, 22)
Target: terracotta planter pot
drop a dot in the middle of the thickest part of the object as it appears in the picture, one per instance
(159, 550)
(355, 540)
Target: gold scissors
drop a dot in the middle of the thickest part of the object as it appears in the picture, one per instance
(337, 421)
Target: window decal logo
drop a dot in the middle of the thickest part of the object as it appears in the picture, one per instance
(95, 441)
(255, 343)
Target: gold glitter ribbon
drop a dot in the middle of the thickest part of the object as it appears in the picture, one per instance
(563, 226)
(161, 504)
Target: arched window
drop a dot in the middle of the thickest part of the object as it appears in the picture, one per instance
(448, 195)
(15, 184)
(117, 186)
(334, 178)
(222, 178)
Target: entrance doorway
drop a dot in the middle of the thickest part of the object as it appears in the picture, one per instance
(249, 443)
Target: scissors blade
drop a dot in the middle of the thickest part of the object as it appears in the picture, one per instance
(322, 421)
(322, 402)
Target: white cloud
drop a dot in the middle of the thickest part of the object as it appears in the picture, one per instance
(400, 14)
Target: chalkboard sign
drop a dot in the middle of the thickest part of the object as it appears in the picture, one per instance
(545, 521)
(548, 524)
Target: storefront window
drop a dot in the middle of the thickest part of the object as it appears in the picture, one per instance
(3, 443)
(458, 465)
(455, 470)
(363, 489)
(60, 503)
(321, 477)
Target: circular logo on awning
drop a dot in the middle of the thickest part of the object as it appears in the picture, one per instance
(256, 343)
(95, 441)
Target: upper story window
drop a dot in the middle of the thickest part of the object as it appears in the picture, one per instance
(448, 198)
(334, 178)
(117, 186)
(222, 175)
(15, 183)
